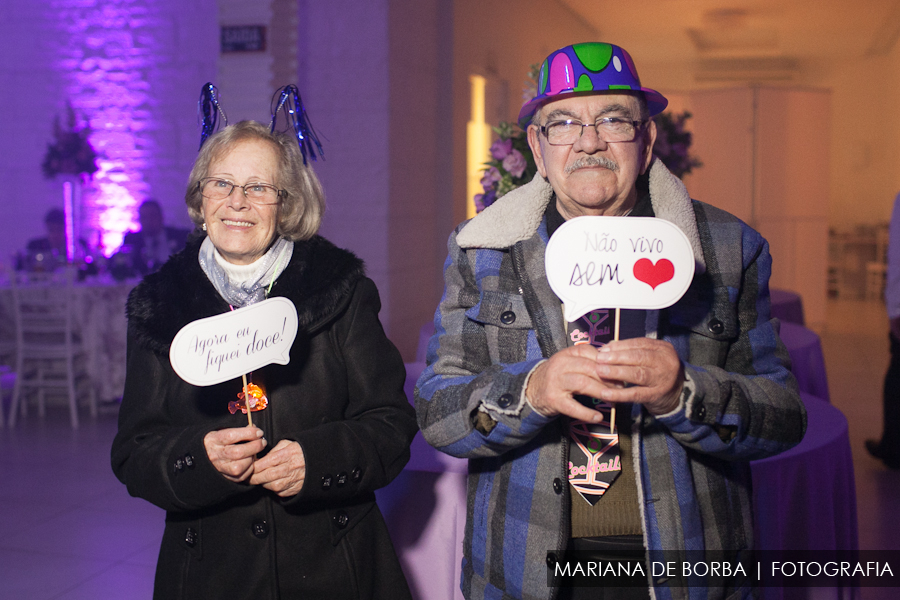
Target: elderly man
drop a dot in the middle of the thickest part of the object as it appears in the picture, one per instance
(609, 449)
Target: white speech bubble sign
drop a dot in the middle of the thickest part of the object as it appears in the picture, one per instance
(215, 349)
(618, 262)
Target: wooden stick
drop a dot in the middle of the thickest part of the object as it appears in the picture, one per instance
(612, 411)
(244, 379)
(247, 402)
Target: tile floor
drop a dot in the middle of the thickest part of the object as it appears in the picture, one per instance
(69, 530)
(856, 349)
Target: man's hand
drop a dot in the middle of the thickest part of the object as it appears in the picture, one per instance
(568, 372)
(651, 367)
(640, 370)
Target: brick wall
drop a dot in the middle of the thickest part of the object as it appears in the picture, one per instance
(133, 71)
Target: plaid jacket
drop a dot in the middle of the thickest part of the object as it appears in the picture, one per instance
(740, 401)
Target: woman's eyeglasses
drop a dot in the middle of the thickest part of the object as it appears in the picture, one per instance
(256, 192)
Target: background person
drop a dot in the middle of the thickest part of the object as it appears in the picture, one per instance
(707, 385)
(144, 251)
(887, 448)
(285, 508)
(50, 251)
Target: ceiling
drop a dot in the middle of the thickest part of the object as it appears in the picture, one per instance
(744, 40)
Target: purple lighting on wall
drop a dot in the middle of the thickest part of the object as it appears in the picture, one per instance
(105, 54)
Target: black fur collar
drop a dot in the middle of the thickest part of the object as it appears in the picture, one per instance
(319, 280)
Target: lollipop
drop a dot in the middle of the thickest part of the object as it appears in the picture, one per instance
(254, 397)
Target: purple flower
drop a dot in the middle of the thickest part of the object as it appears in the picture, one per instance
(500, 149)
(482, 201)
(515, 163)
(490, 177)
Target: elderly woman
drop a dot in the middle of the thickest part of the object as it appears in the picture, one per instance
(286, 509)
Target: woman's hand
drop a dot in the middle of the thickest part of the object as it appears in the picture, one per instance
(233, 451)
(282, 470)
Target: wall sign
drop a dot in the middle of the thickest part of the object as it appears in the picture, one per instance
(243, 38)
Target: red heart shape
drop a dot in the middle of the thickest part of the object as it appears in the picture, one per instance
(653, 275)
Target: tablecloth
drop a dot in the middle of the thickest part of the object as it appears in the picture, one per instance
(805, 498)
(807, 359)
(787, 306)
(99, 311)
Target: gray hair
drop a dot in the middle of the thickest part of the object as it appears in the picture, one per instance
(642, 104)
(302, 202)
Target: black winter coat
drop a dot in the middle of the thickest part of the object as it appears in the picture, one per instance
(340, 397)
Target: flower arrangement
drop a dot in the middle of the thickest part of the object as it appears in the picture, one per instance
(673, 143)
(70, 152)
(511, 165)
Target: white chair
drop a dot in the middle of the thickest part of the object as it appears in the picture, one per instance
(7, 335)
(7, 382)
(7, 352)
(49, 353)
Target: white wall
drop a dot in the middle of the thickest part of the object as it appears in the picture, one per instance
(244, 79)
(766, 160)
(374, 78)
(865, 139)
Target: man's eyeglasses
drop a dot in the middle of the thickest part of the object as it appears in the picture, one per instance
(256, 192)
(609, 129)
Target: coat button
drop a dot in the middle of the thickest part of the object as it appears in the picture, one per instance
(551, 559)
(505, 401)
(190, 537)
(356, 475)
(326, 482)
(342, 478)
(558, 485)
(716, 326)
(179, 465)
(341, 519)
(701, 412)
(508, 317)
(189, 461)
(260, 529)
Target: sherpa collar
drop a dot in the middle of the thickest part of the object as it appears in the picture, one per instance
(319, 280)
(517, 215)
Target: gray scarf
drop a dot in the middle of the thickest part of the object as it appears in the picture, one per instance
(253, 290)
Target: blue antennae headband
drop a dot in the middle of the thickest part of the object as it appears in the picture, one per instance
(208, 111)
(288, 99)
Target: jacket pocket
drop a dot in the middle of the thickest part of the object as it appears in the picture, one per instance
(345, 518)
(501, 309)
(506, 324)
(177, 570)
(712, 326)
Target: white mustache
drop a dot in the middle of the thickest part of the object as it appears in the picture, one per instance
(592, 161)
